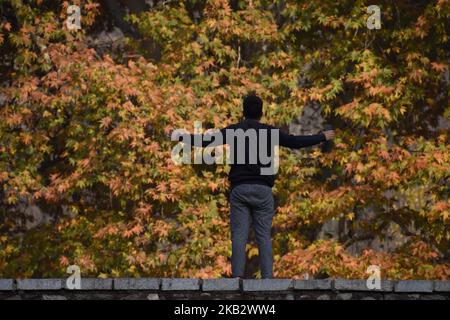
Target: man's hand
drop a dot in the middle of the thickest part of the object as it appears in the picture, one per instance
(329, 134)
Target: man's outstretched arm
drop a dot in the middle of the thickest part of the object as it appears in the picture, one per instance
(297, 142)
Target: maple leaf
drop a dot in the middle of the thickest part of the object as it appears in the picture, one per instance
(439, 67)
(64, 261)
(104, 123)
(7, 26)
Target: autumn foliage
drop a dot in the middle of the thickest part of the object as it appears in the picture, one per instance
(84, 136)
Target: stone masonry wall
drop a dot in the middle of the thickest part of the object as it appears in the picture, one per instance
(228, 289)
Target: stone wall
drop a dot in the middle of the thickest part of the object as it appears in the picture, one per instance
(229, 289)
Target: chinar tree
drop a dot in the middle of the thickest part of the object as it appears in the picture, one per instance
(84, 135)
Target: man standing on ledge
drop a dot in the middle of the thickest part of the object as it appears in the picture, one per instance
(251, 197)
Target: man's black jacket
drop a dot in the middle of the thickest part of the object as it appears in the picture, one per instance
(249, 172)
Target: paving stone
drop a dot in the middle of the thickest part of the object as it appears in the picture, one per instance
(414, 286)
(432, 297)
(39, 284)
(53, 297)
(395, 297)
(220, 285)
(312, 284)
(368, 298)
(324, 297)
(7, 285)
(134, 296)
(92, 284)
(96, 284)
(361, 285)
(442, 286)
(290, 296)
(136, 284)
(267, 284)
(180, 284)
(344, 296)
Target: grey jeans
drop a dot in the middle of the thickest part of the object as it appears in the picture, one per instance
(251, 202)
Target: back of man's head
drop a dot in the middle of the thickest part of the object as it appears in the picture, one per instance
(253, 107)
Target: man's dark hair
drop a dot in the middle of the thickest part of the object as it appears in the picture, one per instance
(253, 107)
